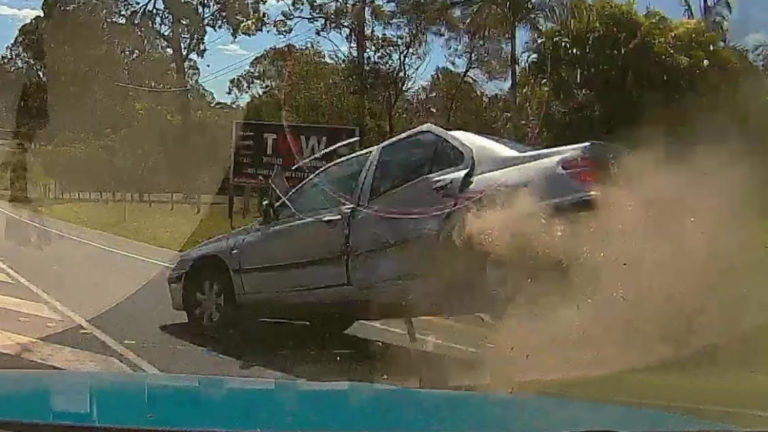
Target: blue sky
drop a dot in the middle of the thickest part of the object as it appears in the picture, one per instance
(226, 57)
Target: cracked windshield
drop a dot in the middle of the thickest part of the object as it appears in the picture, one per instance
(414, 215)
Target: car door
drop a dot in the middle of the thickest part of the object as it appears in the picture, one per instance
(306, 247)
(406, 199)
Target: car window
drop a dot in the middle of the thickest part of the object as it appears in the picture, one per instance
(447, 156)
(410, 158)
(330, 188)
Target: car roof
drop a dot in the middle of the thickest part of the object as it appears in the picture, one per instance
(482, 144)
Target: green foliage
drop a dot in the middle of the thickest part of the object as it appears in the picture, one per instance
(607, 65)
(591, 69)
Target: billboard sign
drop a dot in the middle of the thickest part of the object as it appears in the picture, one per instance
(259, 147)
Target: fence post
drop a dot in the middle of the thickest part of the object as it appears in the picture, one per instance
(171, 201)
(246, 201)
(197, 206)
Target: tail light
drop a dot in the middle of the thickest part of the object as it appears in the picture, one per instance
(582, 168)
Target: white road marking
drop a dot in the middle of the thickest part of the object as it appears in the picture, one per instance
(62, 357)
(138, 361)
(28, 307)
(428, 339)
(88, 242)
(4, 278)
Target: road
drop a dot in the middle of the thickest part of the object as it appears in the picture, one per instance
(95, 302)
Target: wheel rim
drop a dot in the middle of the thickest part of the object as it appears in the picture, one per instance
(209, 303)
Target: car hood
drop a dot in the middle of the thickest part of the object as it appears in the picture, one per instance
(213, 245)
(187, 402)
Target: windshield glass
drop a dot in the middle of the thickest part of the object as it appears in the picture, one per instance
(506, 199)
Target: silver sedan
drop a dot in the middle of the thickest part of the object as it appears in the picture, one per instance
(366, 236)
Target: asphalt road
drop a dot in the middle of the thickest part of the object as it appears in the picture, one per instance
(113, 307)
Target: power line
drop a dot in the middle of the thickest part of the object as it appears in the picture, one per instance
(217, 74)
(154, 89)
(229, 68)
(226, 69)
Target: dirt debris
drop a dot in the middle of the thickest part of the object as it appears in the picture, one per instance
(673, 259)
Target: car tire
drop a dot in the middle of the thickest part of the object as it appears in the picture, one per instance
(209, 301)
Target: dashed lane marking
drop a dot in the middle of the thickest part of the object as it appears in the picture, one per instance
(123, 351)
(28, 307)
(429, 340)
(4, 278)
(59, 356)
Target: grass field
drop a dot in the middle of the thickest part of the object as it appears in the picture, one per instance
(726, 383)
(178, 229)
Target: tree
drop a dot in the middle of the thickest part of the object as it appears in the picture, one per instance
(435, 103)
(714, 13)
(602, 66)
(296, 85)
(399, 53)
(489, 21)
(182, 25)
(385, 42)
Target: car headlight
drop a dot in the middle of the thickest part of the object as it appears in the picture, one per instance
(178, 270)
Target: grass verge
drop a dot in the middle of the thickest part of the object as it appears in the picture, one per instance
(726, 383)
(177, 229)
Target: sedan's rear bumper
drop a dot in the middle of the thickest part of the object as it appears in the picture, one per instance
(575, 203)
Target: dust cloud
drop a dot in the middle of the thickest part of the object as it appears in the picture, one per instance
(673, 258)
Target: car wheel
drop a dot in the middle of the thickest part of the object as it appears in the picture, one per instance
(209, 301)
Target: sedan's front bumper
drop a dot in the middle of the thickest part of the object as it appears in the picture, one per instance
(176, 289)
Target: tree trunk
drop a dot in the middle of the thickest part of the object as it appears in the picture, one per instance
(185, 108)
(452, 103)
(359, 20)
(390, 117)
(18, 180)
(513, 63)
(246, 201)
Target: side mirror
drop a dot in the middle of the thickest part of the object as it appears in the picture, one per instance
(268, 213)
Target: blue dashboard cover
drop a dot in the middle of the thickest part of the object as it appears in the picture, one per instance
(187, 402)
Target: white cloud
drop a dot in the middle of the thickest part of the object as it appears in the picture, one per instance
(23, 15)
(232, 49)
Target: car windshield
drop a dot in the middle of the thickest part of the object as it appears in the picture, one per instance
(514, 214)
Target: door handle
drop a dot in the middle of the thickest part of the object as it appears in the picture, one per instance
(441, 185)
(331, 218)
